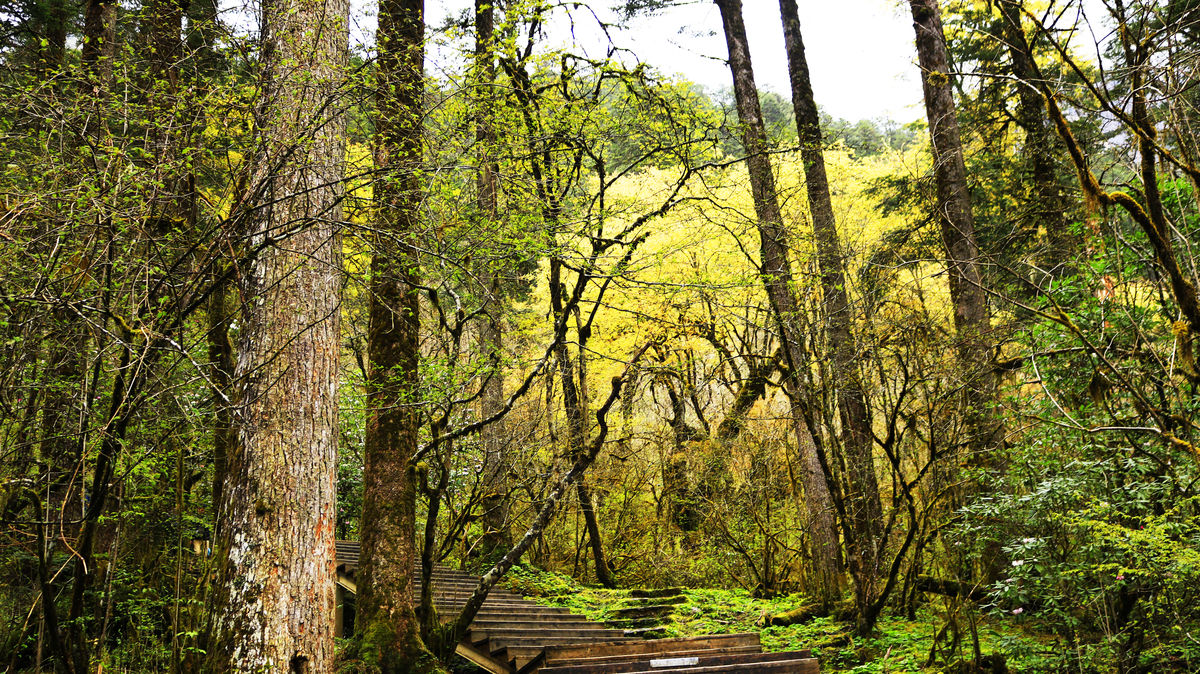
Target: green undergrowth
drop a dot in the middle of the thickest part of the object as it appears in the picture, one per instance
(899, 645)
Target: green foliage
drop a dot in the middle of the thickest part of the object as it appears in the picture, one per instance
(901, 645)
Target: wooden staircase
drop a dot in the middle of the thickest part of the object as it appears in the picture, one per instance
(513, 635)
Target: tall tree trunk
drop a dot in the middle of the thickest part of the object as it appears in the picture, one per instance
(99, 42)
(388, 631)
(971, 320)
(274, 605)
(1046, 207)
(776, 272)
(53, 51)
(220, 371)
(864, 516)
(498, 535)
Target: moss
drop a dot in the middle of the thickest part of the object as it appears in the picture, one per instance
(375, 651)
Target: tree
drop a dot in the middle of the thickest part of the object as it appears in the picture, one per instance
(389, 634)
(491, 334)
(1045, 205)
(274, 607)
(776, 275)
(862, 511)
(956, 222)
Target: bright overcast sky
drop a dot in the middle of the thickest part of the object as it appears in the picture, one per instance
(860, 52)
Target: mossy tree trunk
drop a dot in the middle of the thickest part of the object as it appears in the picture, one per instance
(388, 632)
(498, 535)
(971, 320)
(1045, 204)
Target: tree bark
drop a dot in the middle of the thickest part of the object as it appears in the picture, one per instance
(776, 274)
(1046, 206)
(862, 525)
(389, 633)
(274, 605)
(99, 42)
(497, 535)
(971, 321)
(220, 370)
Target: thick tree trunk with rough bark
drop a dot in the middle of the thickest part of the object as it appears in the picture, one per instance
(864, 512)
(99, 42)
(824, 576)
(388, 632)
(275, 601)
(971, 320)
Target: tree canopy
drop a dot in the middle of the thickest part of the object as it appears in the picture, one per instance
(920, 395)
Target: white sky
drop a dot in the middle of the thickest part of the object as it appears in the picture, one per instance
(860, 52)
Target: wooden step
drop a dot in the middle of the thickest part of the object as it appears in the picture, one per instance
(540, 643)
(583, 632)
(467, 590)
(497, 644)
(536, 610)
(513, 634)
(450, 592)
(578, 632)
(676, 661)
(491, 603)
(805, 666)
(626, 660)
(557, 654)
(564, 619)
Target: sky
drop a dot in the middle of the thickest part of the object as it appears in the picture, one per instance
(860, 52)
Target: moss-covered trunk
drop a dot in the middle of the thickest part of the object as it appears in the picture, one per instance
(389, 634)
(956, 220)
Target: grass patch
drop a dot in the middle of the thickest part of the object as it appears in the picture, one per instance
(899, 645)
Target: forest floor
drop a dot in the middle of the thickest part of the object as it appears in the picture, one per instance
(899, 645)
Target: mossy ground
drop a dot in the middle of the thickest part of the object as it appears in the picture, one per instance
(899, 645)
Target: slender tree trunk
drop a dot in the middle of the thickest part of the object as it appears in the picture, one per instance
(862, 525)
(220, 370)
(573, 406)
(274, 605)
(1045, 206)
(971, 320)
(388, 630)
(776, 274)
(498, 535)
(61, 445)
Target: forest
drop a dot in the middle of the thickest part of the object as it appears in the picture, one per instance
(914, 396)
